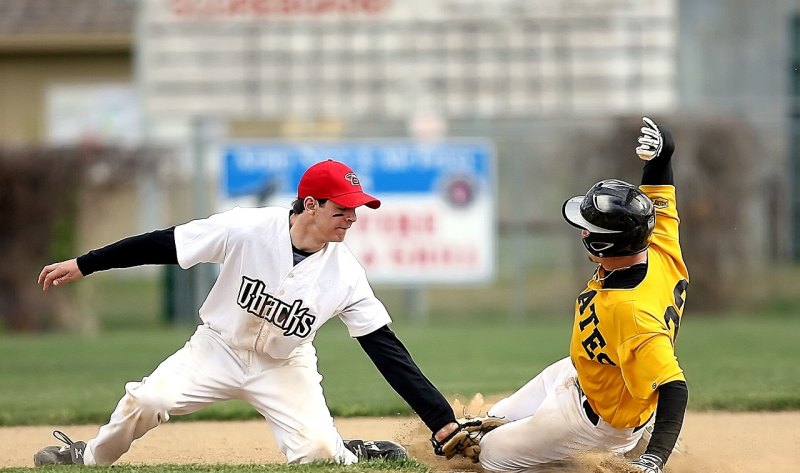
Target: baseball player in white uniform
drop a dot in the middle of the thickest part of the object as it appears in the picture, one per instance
(283, 273)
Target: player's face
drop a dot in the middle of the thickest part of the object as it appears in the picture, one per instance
(333, 220)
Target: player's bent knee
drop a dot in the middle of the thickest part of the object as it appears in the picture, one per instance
(487, 452)
(314, 449)
(493, 457)
(499, 409)
(147, 402)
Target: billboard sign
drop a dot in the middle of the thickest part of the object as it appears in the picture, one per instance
(436, 223)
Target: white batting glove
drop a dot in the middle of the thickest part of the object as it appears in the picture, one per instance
(648, 463)
(650, 142)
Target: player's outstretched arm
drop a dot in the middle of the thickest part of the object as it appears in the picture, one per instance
(59, 274)
(156, 247)
(401, 372)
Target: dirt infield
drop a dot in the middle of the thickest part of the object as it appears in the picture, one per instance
(713, 442)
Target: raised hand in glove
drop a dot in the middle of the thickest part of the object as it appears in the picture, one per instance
(654, 141)
(648, 463)
(466, 439)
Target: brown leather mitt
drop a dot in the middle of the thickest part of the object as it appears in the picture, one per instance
(465, 441)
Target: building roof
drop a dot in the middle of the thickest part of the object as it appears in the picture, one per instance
(66, 16)
(30, 25)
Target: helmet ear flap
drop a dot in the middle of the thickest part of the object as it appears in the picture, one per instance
(599, 246)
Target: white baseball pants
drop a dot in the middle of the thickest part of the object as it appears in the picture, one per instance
(548, 424)
(207, 370)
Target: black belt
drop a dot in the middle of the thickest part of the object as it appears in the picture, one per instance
(590, 413)
(594, 418)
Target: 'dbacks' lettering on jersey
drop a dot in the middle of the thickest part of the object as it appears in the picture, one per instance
(623, 339)
(293, 319)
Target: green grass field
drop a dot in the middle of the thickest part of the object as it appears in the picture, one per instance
(735, 363)
(741, 362)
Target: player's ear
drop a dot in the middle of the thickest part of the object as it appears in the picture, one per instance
(310, 204)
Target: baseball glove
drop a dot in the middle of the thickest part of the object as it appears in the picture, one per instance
(648, 463)
(466, 439)
(655, 141)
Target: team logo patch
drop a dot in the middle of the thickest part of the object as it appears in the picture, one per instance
(660, 203)
(352, 178)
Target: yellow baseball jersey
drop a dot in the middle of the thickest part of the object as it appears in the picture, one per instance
(623, 340)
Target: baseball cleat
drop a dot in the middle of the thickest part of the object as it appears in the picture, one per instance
(373, 449)
(69, 454)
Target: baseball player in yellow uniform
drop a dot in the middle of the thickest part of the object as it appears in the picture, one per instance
(283, 274)
(622, 370)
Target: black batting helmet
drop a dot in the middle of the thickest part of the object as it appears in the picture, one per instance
(618, 217)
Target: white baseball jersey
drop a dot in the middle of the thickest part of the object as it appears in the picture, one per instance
(261, 301)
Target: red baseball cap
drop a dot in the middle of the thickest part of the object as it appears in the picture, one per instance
(334, 181)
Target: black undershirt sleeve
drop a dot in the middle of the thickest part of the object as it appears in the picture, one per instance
(156, 247)
(395, 364)
(658, 171)
(672, 400)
